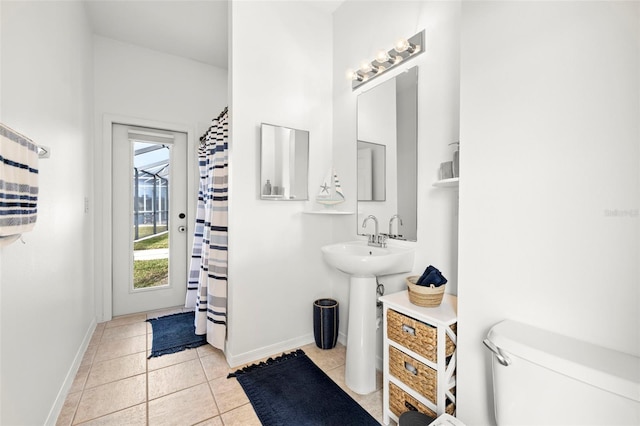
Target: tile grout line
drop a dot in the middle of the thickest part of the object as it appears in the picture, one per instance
(330, 365)
(213, 395)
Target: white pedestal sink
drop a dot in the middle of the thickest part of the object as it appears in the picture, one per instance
(363, 263)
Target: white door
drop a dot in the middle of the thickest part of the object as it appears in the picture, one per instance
(149, 232)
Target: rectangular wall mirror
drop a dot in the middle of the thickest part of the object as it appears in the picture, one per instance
(372, 159)
(387, 123)
(284, 163)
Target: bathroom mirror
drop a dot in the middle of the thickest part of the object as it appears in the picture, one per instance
(387, 116)
(372, 159)
(284, 163)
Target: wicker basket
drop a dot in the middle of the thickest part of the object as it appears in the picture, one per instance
(413, 373)
(400, 402)
(417, 336)
(428, 297)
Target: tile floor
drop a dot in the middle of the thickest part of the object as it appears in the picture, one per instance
(117, 385)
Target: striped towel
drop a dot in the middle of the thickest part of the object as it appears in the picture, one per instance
(18, 182)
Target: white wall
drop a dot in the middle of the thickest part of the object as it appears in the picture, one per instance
(47, 309)
(155, 88)
(281, 74)
(361, 29)
(549, 192)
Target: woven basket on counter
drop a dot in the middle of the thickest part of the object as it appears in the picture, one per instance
(428, 297)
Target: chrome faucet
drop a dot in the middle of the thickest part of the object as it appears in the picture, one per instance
(375, 239)
(395, 216)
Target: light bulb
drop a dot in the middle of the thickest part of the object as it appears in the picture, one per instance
(383, 57)
(402, 45)
(366, 67)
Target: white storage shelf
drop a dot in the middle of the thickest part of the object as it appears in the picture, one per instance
(447, 183)
(443, 318)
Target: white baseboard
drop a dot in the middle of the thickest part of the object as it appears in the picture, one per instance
(235, 360)
(275, 349)
(285, 346)
(342, 338)
(70, 377)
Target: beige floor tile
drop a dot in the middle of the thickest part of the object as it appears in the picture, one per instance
(115, 369)
(216, 421)
(242, 416)
(118, 392)
(111, 397)
(81, 378)
(127, 319)
(174, 378)
(228, 394)
(372, 403)
(206, 350)
(68, 409)
(215, 365)
(116, 348)
(185, 407)
(133, 416)
(326, 359)
(337, 375)
(96, 336)
(164, 312)
(124, 331)
(170, 359)
(89, 355)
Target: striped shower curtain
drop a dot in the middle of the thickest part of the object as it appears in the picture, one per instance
(207, 282)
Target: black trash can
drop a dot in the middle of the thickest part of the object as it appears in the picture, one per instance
(325, 323)
(414, 418)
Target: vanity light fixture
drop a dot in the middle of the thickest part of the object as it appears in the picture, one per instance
(386, 60)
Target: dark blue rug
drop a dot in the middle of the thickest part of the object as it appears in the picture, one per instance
(174, 333)
(292, 390)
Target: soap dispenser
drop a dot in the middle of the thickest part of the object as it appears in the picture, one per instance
(267, 188)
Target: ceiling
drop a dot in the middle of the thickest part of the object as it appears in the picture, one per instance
(192, 29)
(195, 29)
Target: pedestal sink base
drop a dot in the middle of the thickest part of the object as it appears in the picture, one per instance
(363, 263)
(360, 368)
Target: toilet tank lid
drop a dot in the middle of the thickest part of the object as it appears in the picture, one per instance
(604, 368)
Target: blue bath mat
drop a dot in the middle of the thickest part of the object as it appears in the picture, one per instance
(174, 333)
(292, 390)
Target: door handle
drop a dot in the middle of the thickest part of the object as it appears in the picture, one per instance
(182, 228)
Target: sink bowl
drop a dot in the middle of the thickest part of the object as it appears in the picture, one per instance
(356, 258)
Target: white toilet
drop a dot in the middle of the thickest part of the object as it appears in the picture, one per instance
(543, 378)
